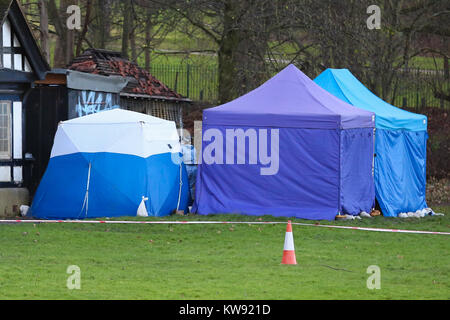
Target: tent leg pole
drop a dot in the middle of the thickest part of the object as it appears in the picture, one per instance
(86, 196)
(179, 191)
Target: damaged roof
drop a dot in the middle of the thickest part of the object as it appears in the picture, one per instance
(109, 63)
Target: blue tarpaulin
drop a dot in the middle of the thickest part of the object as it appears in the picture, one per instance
(400, 144)
(322, 146)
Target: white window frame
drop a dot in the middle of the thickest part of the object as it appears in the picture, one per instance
(7, 155)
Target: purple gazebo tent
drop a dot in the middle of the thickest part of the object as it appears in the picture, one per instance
(324, 148)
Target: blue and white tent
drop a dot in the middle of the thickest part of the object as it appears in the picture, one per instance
(400, 144)
(111, 163)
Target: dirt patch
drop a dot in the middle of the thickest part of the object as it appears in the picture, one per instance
(438, 192)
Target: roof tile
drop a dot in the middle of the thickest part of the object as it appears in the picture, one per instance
(109, 63)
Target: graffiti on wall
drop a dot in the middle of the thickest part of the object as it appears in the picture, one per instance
(89, 102)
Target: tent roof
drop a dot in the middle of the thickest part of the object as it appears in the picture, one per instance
(344, 85)
(116, 131)
(289, 99)
(116, 116)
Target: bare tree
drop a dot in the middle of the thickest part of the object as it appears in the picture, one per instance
(241, 32)
(253, 39)
(101, 23)
(83, 33)
(64, 50)
(341, 38)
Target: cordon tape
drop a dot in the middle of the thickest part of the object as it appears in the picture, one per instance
(222, 222)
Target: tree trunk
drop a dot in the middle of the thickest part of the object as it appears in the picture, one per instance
(126, 28)
(133, 34)
(70, 47)
(64, 51)
(45, 44)
(102, 25)
(446, 68)
(148, 39)
(83, 33)
(226, 55)
(60, 27)
(70, 34)
(133, 44)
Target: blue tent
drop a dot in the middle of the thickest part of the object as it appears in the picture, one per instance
(400, 144)
(111, 164)
(288, 148)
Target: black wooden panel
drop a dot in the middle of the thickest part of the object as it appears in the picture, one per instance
(45, 108)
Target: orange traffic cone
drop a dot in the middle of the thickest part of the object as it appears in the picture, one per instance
(289, 251)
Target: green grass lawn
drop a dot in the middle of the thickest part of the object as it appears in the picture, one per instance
(225, 261)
